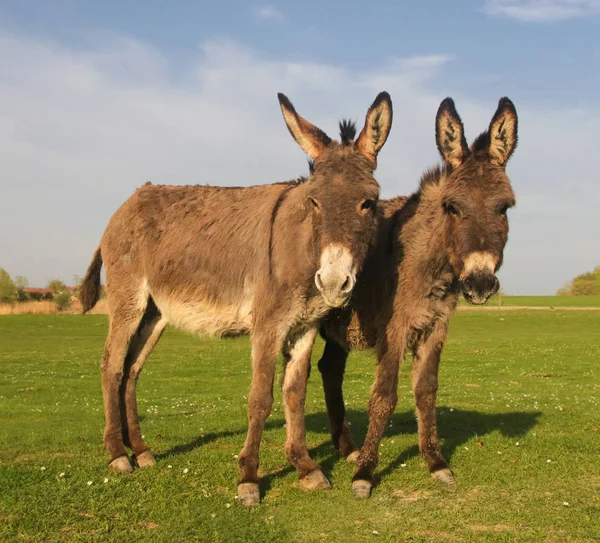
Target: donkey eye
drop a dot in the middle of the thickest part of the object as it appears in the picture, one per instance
(366, 205)
(450, 209)
(504, 209)
(314, 203)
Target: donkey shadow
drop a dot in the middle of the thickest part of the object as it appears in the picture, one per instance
(455, 428)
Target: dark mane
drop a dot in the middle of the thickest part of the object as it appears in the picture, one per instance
(481, 143)
(347, 131)
(431, 176)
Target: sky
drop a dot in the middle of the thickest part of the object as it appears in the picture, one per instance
(97, 98)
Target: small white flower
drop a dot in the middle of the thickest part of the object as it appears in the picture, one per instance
(548, 461)
(236, 456)
(451, 410)
(466, 448)
(566, 504)
(228, 505)
(61, 475)
(213, 515)
(185, 471)
(105, 480)
(375, 532)
(402, 465)
(499, 452)
(517, 444)
(169, 466)
(43, 468)
(90, 483)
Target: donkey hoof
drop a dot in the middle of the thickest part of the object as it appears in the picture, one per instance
(145, 460)
(315, 481)
(444, 476)
(353, 457)
(248, 494)
(121, 465)
(361, 489)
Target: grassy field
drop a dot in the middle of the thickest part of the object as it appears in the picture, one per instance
(544, 301)
(518, 413)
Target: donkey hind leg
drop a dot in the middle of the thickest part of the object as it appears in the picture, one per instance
(125, 318)
(332, 367)
(266, 345)
(425, 384)
(296, 352)
(384, 398)
(142, 344)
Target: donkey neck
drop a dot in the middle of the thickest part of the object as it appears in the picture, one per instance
(425, 267)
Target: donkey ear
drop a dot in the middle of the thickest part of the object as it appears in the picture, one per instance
(312, 139)
(503, 132)
(378, 124)
(450, 134)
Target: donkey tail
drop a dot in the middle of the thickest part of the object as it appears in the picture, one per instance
(90, 288)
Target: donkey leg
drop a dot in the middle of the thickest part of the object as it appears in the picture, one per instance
(125, 319)
(149, 332)
(332, 367)
(265, 348)
(384, 398)
(297, 362)
(425, 385)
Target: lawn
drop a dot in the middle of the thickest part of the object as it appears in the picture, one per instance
(544, 301)
(518, 413)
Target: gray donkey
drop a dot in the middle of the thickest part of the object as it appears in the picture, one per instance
(446, 239)
(271, 260)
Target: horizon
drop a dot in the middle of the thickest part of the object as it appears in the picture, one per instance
(95, 100)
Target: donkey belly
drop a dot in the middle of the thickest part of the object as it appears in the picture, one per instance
(207, 318)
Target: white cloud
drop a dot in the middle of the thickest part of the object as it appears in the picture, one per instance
(542, 10)
(79, 131)
(269, 13)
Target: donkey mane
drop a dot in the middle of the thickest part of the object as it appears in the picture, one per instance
(431, 176)
(347, 131)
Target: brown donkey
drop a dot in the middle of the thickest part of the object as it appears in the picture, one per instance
(271, 260)
(445, 239)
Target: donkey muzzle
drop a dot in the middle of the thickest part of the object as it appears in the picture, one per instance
(479, 287)
(336, 278)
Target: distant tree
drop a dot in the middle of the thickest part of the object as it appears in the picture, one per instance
(586, 284)
(56, 286)
(8, 290)
(21, 282)
(63, 300)
(77, 280)
(584, 287)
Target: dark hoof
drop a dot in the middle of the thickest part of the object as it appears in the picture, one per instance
(145, 460)
(353, 457)
(361, 489)
(444, 476)
(121, 465)
(315, 481)
(248, 494)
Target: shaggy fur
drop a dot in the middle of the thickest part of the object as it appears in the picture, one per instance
(445, 239)
(229, 261)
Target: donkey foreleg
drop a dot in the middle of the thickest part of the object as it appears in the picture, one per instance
(384, 398)
(266, 344)
(297, 353)
(332, 367)
(425, 384)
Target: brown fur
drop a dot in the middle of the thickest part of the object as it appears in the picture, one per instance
(413, 276)
(227, 261)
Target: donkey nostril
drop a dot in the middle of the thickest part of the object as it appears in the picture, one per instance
(347, 284)
(318, 281)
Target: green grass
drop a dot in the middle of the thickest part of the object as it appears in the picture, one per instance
(507, 377)
(544, 301)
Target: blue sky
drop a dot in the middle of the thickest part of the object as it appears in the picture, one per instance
(96, 98)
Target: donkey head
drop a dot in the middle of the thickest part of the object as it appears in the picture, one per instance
(340, 196)
(475, 194)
